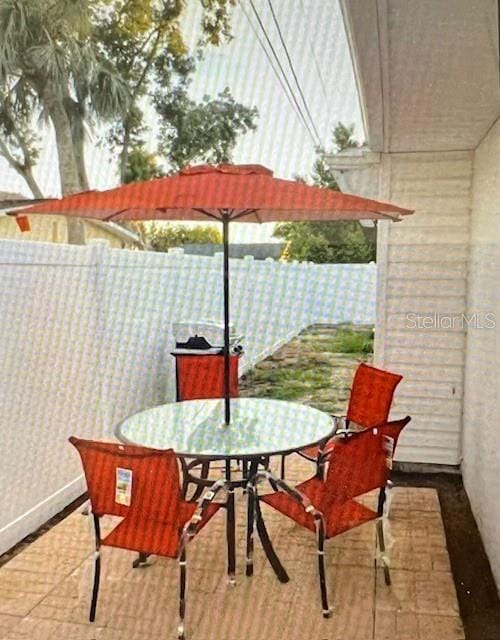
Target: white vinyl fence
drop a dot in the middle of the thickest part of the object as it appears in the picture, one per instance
(85, 340)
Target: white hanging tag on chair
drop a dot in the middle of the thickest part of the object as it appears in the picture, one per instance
(123, 489)
(389, 450)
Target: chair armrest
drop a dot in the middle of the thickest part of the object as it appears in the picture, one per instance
(204, 501)
(293, 492)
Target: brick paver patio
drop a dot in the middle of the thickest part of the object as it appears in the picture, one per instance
(45, 590)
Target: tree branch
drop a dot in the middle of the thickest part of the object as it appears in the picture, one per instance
(23, 170)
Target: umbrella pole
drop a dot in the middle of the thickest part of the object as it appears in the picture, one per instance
(227, 356)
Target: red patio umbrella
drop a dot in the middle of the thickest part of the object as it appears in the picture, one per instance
(226, 193)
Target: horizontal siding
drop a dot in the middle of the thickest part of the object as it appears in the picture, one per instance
(439, 253)
(441, 235)
(427, 339)
(426, 274)
(428, 270)
(428, 305)
(414, 373)
(432, 220)
(399, 321)
(425, 406)
(426, 388)
(420, 287)
(424, 357)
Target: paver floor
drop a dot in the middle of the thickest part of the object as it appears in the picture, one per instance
(45, 590)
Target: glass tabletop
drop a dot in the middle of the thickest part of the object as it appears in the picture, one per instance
(259, 427)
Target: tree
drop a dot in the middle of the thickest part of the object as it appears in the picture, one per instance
(204, 132)
(141, 165)
(50, 67)
(82, 64)
(190, 133)
(152, 55)
(333, 242)
(162, 237)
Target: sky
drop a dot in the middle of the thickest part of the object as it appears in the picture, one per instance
(314, 34)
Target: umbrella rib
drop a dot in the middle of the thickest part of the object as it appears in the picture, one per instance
(114, 214)
(386, 215)
(245, 212)
(206, 213)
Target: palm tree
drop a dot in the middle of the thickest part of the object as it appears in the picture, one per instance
(51, 67)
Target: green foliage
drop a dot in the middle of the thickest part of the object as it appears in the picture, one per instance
(343, 241)
(162, 237)
(204, 132)
(343, 137)
(90, 63)
(149, 49)
(141, 165)
(51, 66)
(326, 242)
(347, 340)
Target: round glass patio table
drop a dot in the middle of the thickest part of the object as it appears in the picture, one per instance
(259, 427)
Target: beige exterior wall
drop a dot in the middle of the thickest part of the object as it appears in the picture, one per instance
(422, 266)
(481, 432)
(54, 229)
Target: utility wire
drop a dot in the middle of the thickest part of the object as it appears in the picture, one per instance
(293, 70)
(278, 62)
(313, 52)
(269, 59)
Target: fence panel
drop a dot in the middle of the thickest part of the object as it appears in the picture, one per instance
(86, 337)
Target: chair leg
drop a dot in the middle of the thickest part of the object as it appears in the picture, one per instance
(327, 612)
(182, 593)
(141, 560)
(97, 569)
(230, 527)
(381, 545)
(250, 530)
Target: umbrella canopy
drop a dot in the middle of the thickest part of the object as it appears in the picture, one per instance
(247, 193)
(227, 193)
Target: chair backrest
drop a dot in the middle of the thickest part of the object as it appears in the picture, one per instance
(120, 476)
(363, 461)
(371, 396)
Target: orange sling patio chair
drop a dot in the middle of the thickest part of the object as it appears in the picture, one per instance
(142, 486)
(358, 463)
(369, 405)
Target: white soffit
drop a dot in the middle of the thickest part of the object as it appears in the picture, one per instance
(427, 71)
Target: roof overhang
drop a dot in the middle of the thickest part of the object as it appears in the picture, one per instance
(357, 170)
(427, 71)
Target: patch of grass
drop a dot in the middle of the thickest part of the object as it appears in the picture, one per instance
(354, 341)
(316, 368)
(344, 340)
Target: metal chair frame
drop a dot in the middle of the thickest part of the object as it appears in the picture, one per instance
(189, 531)
(278, 484)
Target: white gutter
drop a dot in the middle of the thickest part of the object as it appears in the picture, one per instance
(357, 171)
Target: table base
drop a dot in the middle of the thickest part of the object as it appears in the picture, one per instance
(254, 514)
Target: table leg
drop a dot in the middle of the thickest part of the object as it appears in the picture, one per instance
(230, 527)
(254, 466)
(273, 559)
